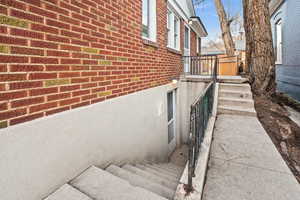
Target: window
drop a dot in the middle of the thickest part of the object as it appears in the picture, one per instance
(149, 20)
(186, 38)
(199, 45)
(176, 32)
(278, 41)
(169, 26)
(173, 29)
(145, 31)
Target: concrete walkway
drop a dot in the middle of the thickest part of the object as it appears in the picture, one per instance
(245, 164)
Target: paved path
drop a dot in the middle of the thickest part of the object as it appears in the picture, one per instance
(245, 165)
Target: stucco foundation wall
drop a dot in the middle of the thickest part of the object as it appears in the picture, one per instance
(189, 91)
(39, 156)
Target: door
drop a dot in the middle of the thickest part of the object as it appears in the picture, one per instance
(187, 50)
(171, 101)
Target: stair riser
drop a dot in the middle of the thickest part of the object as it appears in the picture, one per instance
(152, 177)
(171, 178)
(236, 103)
(235, 87)
(142, 182)
(234, 112)
(168, 169)
(235, 95)
(163, 171)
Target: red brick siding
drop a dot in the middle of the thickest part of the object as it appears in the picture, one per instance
(62, 54)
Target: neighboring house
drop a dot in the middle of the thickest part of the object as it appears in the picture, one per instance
(285, 21)
(90, 82)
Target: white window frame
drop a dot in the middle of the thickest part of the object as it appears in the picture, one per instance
(176, 33)
(173, 22)
(152, 29)
(198, 44)
(169, 20)
(278, 42)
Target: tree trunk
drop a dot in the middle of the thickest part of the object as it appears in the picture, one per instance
(259, 46)
(225, 27)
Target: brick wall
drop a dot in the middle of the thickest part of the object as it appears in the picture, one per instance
(57, 55)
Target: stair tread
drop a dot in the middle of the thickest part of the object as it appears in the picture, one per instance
(239, 108)
(236, 99)
(175, 175)
(100, 185)
(142, 182)
(235, 91)
(159, 173)
(168, 168)
(153, 177)
(235, 84)
(67, 192)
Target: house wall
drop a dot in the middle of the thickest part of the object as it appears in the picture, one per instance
(79, 87)
(288, 73)
(60, 55)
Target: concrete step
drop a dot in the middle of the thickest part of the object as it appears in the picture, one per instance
(159, 173)
(175, 175)
(101, 185)
(173, 166)
(142, 182)
(235, 94)
(225, 101)
(152, 177)
(235, 87)
(67, 192)
(232, 79)
(167, 168)
(237, 110)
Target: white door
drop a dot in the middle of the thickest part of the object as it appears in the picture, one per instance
(171, 101)
(187, 48)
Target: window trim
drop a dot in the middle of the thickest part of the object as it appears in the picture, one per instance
(148, 17)
(198, 44)
(152, 27)
(172, 34)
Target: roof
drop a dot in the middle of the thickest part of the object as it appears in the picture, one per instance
(201, 24)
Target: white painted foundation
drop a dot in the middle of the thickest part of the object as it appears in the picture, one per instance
(38, 157)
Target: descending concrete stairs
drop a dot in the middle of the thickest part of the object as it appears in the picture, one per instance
(129, 182)
(236, 99)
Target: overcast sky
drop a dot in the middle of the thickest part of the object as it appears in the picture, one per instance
(207, 12)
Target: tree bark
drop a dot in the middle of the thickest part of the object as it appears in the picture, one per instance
(225, 27)
(259, 46)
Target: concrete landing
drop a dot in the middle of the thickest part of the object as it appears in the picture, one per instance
(245, 164)
(221, 79)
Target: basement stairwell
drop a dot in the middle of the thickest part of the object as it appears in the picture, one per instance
(147, 181)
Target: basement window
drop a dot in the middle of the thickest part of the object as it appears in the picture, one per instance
(149, 20)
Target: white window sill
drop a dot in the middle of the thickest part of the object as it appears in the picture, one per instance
(149, 39)
(278, 63)
(172, 48)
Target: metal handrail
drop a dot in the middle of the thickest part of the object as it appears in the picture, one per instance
(204, 65)
(201, 111)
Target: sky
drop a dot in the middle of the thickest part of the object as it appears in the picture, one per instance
(207, 12)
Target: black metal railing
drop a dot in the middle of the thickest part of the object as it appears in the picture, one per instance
(201, 111)
(205, 65)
